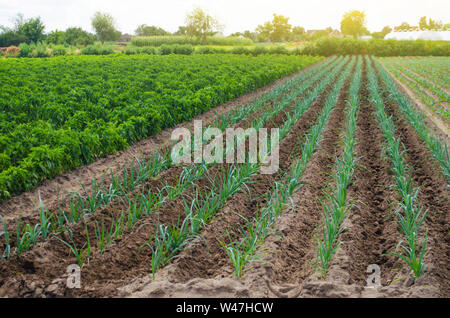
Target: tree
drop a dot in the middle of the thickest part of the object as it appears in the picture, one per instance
(404, 27)
(434, 24)
(24, 31)
(33, 29)
(77, 36)
(353, 23)
(380, 35)
(277, 30)
(56, 37)
(105, 27)
(297, 33)
(264, 31)
(281, 28)
(181, 30)
(423, 25)
(145, 30)
(250, 35)
(200, 24)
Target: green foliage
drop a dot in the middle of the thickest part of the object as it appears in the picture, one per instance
(200, 24)
(353, 23)
(277, 30)
(104, 26)
(33, 29)
(9, 38)
(97, 50)
(145, 30)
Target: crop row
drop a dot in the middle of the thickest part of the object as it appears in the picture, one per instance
(409, 213)
(64, 112)
(335, 205)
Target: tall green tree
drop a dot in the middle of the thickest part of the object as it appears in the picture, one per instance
(277, 30)
(105, 27)
(404, 27)
(354, 23)
(200, 24)
(423, 25)
(297, 33)
(33, 29)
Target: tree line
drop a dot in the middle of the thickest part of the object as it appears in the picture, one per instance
(200, 24)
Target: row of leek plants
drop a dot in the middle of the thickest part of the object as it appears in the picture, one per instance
(335, 205)
(410, 214)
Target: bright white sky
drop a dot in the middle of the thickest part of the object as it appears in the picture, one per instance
(235, 15)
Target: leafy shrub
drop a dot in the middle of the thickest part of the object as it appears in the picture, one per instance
(59, 50)
(131, 51)
(26, 50)
(41, 50)
(97, 50)
(278, 50)
(258, 50)
(205, 50)
(165, 49)
(185, 49)
(240, 50)
(147, 50)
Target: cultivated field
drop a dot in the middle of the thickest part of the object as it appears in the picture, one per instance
(362, 185)
(428, 78)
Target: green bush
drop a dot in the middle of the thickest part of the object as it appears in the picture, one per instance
(26, 50)
(59, 50)
(185, 49)
(258, 50)
(97, 50)
(165, 49)
(131, 51)
(147, 50)
(240, 50)
(279, 50)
